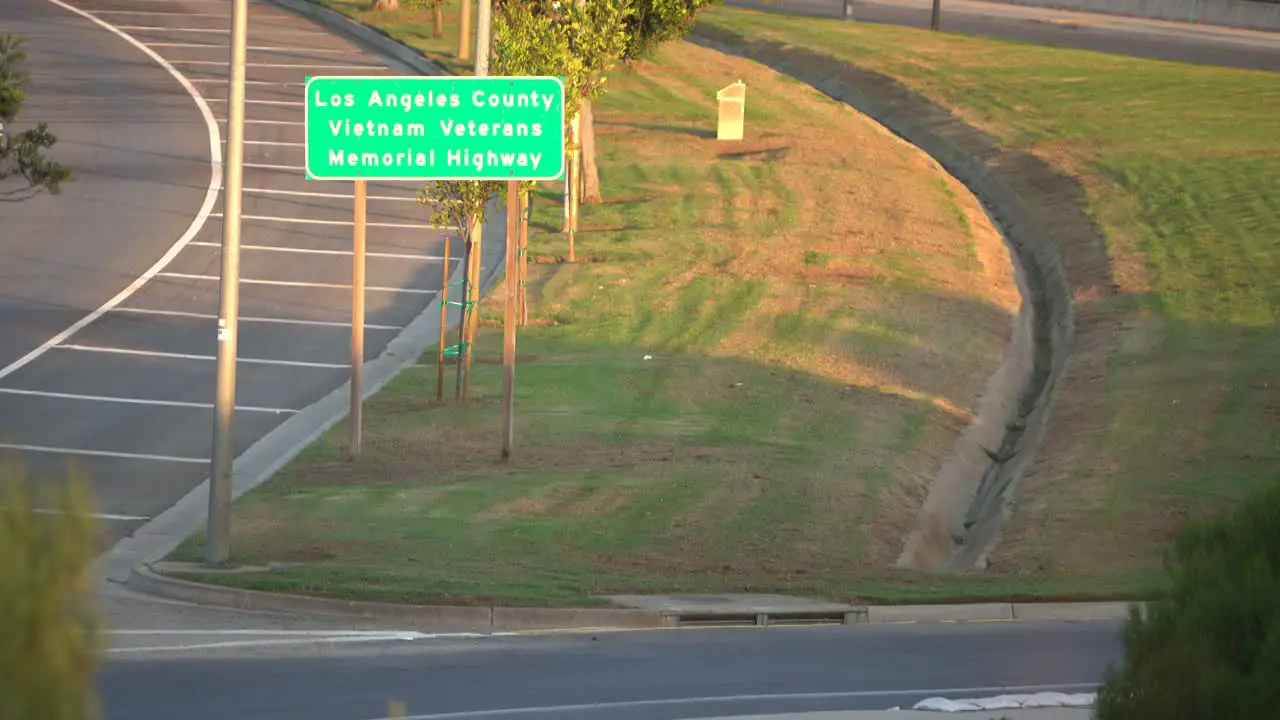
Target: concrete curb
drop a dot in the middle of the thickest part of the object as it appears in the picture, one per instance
(463, 618)
(361, 34)
(256, 465)
(436, 617)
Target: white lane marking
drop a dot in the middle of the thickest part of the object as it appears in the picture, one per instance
(280, 321)
(101, 453)
(309, 251)
(222, 31)
(187, 356)
(387, 637)
(411, 634)
(726, 699)
(270, 166)
(136, 401)
(274, 143)
(291, 103)
(287, 283)
(254, 48)
(299, 193)
(157, 12)
(247, 121)
(211, 196)
(348, 223)
(273, 83)
(95, 516)
(285, 637)
(280, 65)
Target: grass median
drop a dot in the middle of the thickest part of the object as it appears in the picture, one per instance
(1171, 407)
(747, 383)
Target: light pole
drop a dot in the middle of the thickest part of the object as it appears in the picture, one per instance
(217, 548)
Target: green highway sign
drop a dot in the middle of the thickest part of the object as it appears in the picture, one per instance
(434, 128)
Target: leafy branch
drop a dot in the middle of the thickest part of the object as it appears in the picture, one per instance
(23, 154)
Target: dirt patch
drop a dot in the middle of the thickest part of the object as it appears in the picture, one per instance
(549, 498)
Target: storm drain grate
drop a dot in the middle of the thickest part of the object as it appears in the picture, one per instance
(759, 620)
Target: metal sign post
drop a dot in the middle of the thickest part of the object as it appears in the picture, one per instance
(357, 319)
(509, 318)
(217, 546)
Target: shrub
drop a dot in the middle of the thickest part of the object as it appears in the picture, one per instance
(1211, 649)
(48, 628)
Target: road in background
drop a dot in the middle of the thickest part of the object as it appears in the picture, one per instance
(128, 397)
(1162, 40)
(658, 675)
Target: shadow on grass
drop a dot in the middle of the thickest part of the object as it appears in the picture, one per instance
(635, 470)
(661, 127)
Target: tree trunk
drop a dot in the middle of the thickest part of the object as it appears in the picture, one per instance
(568, 172)
(590, 169)
(526, 209)
(464, 30)
(935, 21)
(573, 178)
(386, 4)
(472, 321)
(437, 21)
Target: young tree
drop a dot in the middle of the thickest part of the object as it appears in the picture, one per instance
(460, 206)
(22, 154)
(651, 23)
(579, 42)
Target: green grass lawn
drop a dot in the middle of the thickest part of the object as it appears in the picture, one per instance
(1181, 168)
(749, 386)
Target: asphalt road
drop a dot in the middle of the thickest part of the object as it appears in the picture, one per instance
(128, 396)
(141, 161)
(1182, 42)
(621, 676)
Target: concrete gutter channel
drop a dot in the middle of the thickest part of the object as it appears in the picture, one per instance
(1012, 418)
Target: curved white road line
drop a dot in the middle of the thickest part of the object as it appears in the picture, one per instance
(210, 198)
(561, 710)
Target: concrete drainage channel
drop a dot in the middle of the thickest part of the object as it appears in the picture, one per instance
(960, 522)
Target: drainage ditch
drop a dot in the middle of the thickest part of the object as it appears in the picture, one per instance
(968, 501)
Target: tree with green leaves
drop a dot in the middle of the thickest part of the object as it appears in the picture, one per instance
(530, 38)
(650, 24)
(22, 154)
(1211, 647)
(459, 207)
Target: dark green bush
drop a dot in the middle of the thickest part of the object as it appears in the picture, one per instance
(49, 644)
(1211, 649)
